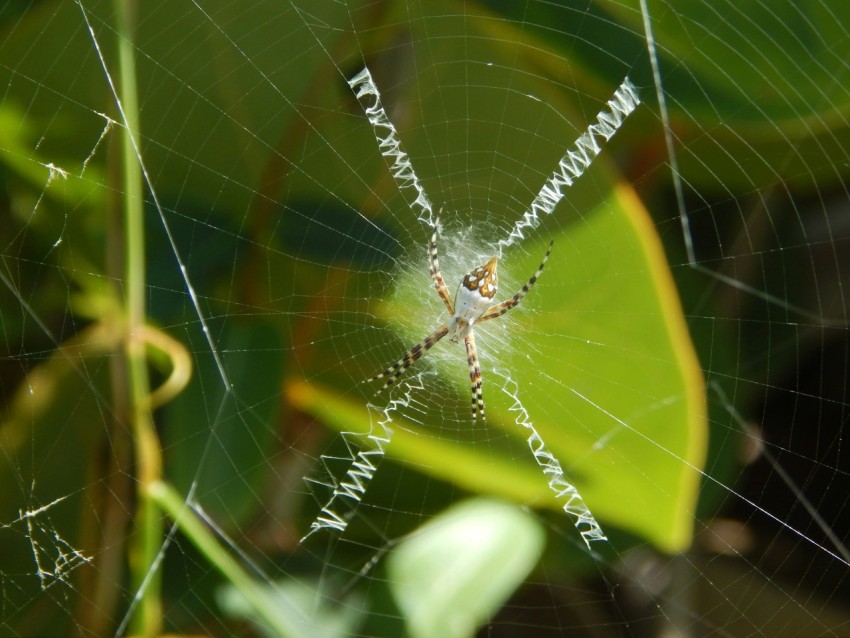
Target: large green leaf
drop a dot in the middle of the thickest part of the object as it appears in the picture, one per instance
(756, 102)
(603, 365)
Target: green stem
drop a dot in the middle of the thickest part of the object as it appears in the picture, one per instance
(147, 621)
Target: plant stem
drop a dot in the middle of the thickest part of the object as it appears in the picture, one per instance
(147, 540)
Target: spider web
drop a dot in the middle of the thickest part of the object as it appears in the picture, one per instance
(665, 408)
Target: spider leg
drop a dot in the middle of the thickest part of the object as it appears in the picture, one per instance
(499, 309)
(436, 275)
(394, 372)
(474, 376)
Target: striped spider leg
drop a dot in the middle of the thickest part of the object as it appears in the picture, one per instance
(472, 303)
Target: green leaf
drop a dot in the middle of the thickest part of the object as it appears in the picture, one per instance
(457, 570)
(599, 356)
(303, 605)
(611, 379)
(746, 111)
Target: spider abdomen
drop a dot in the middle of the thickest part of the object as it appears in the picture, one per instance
(475, 293)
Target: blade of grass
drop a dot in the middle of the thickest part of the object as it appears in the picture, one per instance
(267, 609)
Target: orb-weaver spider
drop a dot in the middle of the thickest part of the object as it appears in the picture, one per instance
(471, 305)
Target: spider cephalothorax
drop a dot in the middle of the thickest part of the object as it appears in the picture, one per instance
(472, 304)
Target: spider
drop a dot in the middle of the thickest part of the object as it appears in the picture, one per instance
(471, 304)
